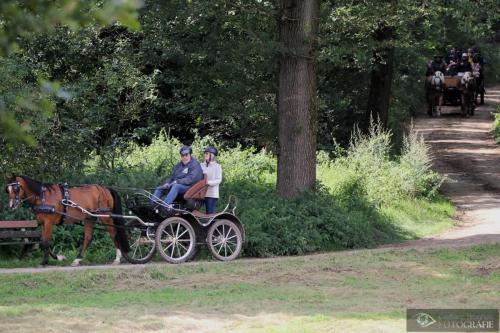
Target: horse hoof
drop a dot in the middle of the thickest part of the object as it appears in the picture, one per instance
(76, 263)
(114, 263)
(60, 257)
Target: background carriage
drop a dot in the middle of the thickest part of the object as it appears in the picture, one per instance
(451, 92)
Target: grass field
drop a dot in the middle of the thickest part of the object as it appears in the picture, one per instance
(355, 291)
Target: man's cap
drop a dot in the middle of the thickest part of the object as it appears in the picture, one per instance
(186, 150)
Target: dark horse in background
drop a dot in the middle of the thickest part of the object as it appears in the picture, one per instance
(434, 87)
(478, 73)
(47, 200)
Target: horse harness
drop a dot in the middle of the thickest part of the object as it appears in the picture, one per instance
(66, 202)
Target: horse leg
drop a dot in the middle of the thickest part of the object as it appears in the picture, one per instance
(463, 106)
(440, 102)
(87, 238)
(46, 242)
(112, 232)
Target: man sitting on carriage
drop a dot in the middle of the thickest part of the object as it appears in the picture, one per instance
(462, 67)
(184, 175)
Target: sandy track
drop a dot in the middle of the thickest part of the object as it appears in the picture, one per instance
(465, 152)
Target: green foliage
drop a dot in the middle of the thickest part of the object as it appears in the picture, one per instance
(350, 207)
(368, 168)
(21, 20)
(496, 124)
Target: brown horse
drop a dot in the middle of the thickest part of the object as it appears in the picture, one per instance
(47, 200)
(434, 86)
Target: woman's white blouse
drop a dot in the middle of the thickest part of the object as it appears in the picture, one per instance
(214, 178)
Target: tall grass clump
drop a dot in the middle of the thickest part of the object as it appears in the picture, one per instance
(381, 177)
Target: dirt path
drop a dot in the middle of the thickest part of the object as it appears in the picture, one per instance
(465, 152)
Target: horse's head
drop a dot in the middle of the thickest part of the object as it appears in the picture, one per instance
(467, 80)
(16, 191)
(476, 72)
(437, 80)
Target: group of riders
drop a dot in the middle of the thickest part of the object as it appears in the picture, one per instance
(456, 62)
(467, 72)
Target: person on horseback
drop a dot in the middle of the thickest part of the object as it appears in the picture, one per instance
(184, 175)
(464, 64)
(213, 171)
(453, 56)
(436, 65)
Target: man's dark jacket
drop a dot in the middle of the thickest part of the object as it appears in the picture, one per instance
(186, 174)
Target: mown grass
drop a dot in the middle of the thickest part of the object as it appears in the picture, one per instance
(366, 288)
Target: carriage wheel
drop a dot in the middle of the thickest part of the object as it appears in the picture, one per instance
(224, 240)
(176, 240)
(142, 243)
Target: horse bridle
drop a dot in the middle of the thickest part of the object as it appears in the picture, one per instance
(17, 189)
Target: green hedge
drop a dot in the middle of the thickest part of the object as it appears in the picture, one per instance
(343, 211)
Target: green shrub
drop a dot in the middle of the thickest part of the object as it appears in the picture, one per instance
(496, 124)
(343, 212)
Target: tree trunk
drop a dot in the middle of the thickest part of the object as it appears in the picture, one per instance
(297, 105)
(381, 76)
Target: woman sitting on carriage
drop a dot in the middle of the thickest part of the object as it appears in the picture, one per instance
(213, 170)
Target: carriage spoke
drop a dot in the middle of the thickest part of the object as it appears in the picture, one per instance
(168, 235)
(182, 246)
(182, 234)
(173, 249)
(219, 243)
(231, 237)
(135, 251)
(178, 228)
(166, 248)
(140, 251)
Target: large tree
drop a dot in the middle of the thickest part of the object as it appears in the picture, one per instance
(297, 96)
(379, 95)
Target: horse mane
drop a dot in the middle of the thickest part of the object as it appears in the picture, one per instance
(33, 185)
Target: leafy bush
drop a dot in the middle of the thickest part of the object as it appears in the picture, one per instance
(496, 124)
(343, 211)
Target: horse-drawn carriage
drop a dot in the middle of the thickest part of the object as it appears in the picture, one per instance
(456, 90)
(174, 231)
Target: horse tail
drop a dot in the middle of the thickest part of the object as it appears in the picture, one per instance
(121, 235)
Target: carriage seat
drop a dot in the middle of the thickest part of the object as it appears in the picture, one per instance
(198, 190)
